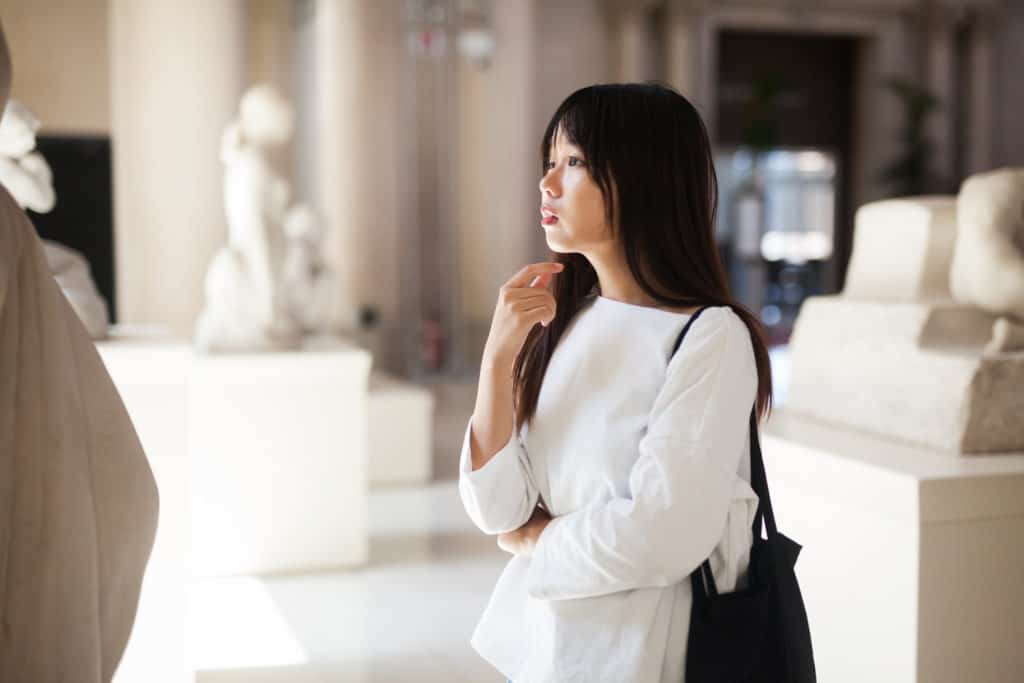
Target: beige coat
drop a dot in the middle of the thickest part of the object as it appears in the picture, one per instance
(78, 503)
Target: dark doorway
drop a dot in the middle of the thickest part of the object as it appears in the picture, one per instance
(789, 93)
(83, 216)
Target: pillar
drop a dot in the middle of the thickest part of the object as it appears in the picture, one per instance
(176, 78)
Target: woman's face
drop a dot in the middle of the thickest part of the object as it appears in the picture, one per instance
(572, 207)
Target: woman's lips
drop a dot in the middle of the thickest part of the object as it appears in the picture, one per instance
(549, 220)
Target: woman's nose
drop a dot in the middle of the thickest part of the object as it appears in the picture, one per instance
(548, 185)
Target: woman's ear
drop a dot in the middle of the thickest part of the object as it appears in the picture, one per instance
(613, 211)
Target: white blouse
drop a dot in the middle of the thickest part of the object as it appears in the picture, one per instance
(644, 465)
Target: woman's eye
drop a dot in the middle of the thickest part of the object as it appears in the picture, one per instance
(573, 161)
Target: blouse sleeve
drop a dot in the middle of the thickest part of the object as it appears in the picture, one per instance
(680, 485)
(501, 495)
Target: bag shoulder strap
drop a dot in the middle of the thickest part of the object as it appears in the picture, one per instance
(686, 327)
(759, 480)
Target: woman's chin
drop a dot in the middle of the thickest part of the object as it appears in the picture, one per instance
(554, 238)
(556, 245)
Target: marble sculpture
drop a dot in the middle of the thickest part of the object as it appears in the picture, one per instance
(27, 176)
(926, 341)
(269, 286)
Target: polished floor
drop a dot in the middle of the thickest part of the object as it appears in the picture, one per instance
(407, 616)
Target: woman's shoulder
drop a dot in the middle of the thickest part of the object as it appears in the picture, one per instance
(719, 330)
(682, 311)
(717, 318)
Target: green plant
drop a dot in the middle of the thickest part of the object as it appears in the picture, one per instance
(909, 174)
(761, 129)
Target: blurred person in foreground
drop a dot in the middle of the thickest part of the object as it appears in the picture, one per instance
(78, 502)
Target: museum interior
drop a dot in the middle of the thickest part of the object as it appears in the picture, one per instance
(250, 258)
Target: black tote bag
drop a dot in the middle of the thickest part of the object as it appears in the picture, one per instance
(758, 634)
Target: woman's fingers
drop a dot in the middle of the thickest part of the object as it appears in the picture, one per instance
(541, 281)
(525, 274)
(528, 295)
(543, 314)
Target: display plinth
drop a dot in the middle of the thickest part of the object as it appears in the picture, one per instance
(400, 431)
(912, 562)
(279, 454)
(151, 376)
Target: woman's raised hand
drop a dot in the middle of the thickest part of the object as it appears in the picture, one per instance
(523, 301)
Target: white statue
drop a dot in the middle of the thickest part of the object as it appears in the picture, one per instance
(309, 286)
(28, 178)
(270, 285)
(988, 260)
(244, 309)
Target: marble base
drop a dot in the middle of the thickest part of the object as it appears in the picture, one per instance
(151, 377)
(400, 431)
(278, 443)
(261, 465)
(917, 372)
(912, 561)
(272, 447)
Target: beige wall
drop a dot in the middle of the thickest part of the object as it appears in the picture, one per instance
(60, 53)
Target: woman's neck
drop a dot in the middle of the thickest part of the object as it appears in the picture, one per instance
(615, 280)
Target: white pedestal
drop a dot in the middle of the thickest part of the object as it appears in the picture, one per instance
(151, 378)
(400, 431)
(261, 465)
(279, 454)
(913, 561)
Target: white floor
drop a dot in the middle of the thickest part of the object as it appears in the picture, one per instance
(408, 616)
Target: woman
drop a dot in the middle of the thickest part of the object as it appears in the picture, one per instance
(608, 466)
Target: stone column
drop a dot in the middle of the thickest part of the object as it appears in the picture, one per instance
(269, 50)
(634, 56)
(176, 77)
(269, 29)
(888, 54)
(338, 74)
(356, 163)
(501, 115)
(682, 70)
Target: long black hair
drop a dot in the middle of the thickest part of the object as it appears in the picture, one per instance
(650, 144)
